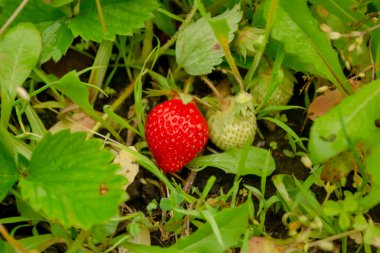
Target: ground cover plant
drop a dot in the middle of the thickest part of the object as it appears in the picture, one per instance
(189, 126)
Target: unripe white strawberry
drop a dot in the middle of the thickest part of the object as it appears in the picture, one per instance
(234, 123)
(248, 40)
(261, 83)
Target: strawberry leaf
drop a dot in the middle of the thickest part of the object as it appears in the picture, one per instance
(56, 39)
(257, 161)
(232, 18)
(355, 117)
(73, 180)
(308, 49)
(120, 17)
(197, 48)
(231, 223)
(31, 12)
(8, 171)
(19, 52)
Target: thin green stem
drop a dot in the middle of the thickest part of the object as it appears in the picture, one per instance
(268, 28)
(230, 59)
(124, 95)
(102, 59)
(334, 237)
(173, 39)
(212, 87)
(74, 248)
(147, 42)
(101, 16)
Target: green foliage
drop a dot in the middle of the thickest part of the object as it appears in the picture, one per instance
(120, 17)
(344, 13)
(72, 180)
(308, 49)
(375, 48)
(8, 172)
(56, 39)
(123, 54)
(373, 165)
(31, 12)
(342, 208)
(197, 48)
(6, 247)
(230, 223)
(353, 120)
(248, 161)
(60, 23)
(78, 92)
(19, 52)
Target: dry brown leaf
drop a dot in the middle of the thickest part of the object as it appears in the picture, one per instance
(77, 121)
(264, 245)
(129, 166)
(324, 103)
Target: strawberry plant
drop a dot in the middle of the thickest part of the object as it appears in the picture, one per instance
(189, 126)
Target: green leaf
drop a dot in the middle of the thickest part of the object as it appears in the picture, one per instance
(139, 248)
(344, 221)
(227, 28)
(56, 39)
(332, 208)
(59, 3)
(34, 12)
(120, 16)
(73, 180)
(354, 118)
(360, 222)
(308, 49)
(100, 232)
(346, 11)
(232, 224)
(375, 49)
(257, 161)
(74, 89)
(78, 92)
(163, 22)
(197, 48)
(5, 247)
(19, 52)
(8, 171)
(33, 242)
(350, 204)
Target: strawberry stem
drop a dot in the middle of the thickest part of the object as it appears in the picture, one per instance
(230, 59)
(173, 39)
(212, 87)
(188, 84)
(237, 78)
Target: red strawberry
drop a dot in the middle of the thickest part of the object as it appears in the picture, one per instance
(175, 133)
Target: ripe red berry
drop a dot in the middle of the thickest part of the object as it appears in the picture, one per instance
(175, 133)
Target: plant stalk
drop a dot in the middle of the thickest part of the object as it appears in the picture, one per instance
(173, 39)
(13, 16)
(13, 242)
(102, 59)
(268, 28)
